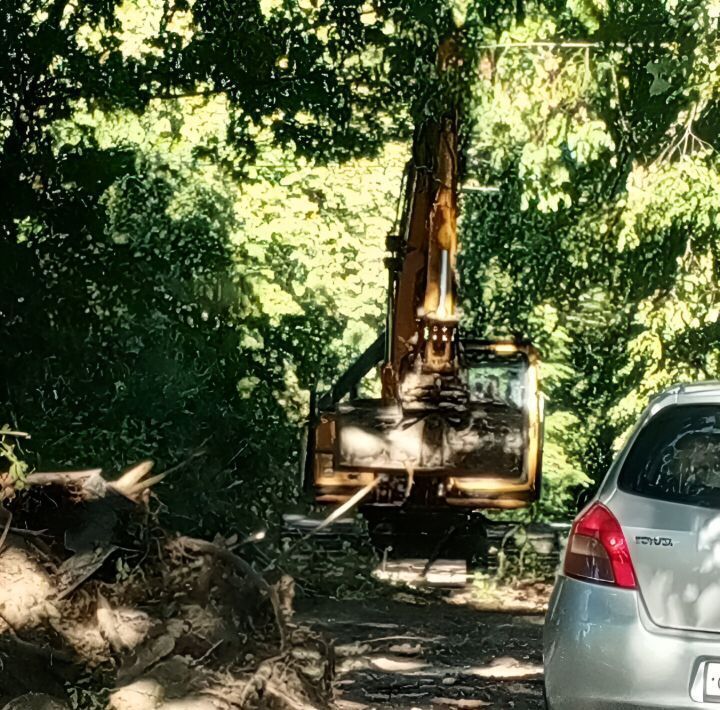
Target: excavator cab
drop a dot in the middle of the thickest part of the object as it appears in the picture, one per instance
(499, 458)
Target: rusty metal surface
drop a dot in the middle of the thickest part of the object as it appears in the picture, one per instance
(482, 439)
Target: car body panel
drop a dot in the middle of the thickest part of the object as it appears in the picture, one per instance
(675, 550)
(603, 652)
(609, 648)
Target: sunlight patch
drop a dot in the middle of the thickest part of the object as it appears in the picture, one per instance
(506, 667)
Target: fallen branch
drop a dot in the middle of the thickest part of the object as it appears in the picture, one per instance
(16, 434)
(210, 548)
(22, 532)
(6, 530)
(61, 478)
(91, 485)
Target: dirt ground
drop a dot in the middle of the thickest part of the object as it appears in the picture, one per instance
(408, 652)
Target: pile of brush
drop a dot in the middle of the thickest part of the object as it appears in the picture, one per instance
(99, 607)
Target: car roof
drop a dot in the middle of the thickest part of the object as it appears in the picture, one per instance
(687, 393)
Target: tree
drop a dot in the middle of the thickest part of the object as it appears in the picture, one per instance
(195, 197)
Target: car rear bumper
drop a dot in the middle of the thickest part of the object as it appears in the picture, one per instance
(602, 652)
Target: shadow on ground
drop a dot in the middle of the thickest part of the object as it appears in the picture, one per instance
(408, 653)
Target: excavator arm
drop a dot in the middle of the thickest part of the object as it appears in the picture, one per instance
(422, 310)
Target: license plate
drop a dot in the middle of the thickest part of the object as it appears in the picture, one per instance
(712, 681)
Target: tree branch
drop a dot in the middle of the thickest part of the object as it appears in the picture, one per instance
(210, 548)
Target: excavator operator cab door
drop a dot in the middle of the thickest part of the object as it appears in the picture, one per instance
(499, 466)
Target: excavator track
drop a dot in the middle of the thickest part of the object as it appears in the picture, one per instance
(429, 556)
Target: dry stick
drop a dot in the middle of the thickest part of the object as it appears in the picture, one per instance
(178, 467)
(6, 530)
(344, 508)
(207, 654)
(404, 637)
(348, 505)
(62, 478)
(272, 689)
(210, 548)
(30, 533)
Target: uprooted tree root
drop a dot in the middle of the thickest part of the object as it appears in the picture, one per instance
(125, 616)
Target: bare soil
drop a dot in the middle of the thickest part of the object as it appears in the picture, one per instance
(410, 652)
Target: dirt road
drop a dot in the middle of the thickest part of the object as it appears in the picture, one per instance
(404, 652)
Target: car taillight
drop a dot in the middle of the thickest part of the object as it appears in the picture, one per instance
(597, 549)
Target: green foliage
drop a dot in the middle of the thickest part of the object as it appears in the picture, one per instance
(195, 197)
(158, 305)
(14, 468)
(601, 243)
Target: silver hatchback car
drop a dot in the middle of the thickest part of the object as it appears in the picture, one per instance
(634, 619)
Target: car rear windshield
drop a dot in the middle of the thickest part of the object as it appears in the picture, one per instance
(676, 457)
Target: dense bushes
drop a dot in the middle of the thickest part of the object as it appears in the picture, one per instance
(195, 197)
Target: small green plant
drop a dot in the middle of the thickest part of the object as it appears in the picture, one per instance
(13, 478)
(87, 694)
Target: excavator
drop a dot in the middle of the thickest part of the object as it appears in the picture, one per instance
(458, 426)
